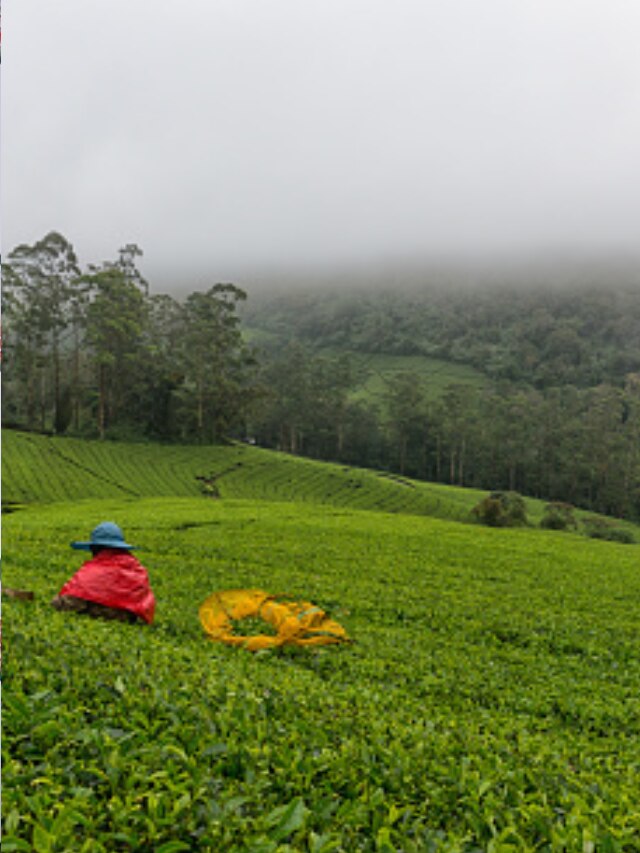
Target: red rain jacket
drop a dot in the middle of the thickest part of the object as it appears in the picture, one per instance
(116, 579)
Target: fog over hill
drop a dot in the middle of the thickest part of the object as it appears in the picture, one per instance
(530, 271)
(541, 270)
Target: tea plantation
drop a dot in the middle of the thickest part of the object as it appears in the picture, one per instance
(37, 469)
(489, 701)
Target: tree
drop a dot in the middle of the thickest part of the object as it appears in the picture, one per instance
(287, 402)
(217, 390)
(455, 422)
(631, 428)
(407, 422)
(603, 443)
(39, 281)
(162, 374)
(116, 318)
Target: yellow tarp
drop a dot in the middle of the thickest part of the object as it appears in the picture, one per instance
(298, 623)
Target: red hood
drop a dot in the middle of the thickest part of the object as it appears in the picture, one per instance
(116, 579)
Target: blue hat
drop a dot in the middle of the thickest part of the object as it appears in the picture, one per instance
(105, 535)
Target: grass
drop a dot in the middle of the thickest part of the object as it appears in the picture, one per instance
(488, 703)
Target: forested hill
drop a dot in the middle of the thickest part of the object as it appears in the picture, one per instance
(549, 403)
(534, 389)
(540, 336)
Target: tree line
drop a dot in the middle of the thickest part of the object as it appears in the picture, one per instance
(93, 352)
(559, 417)
(581, 446)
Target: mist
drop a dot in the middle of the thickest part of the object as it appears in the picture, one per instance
(297, 141)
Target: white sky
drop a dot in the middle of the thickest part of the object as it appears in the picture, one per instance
(229, 137)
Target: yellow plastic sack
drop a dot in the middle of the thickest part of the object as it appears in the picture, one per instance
(298, 623)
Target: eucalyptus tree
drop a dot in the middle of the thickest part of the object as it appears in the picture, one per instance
(604, 444)
(116, 321)
(40, 283)
(454, 423)
(305, 407)
(155, 406)
(407, 422)
(282, 421)
(216, 390)
(632, 443)
(331, 409)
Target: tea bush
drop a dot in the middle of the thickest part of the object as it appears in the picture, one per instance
(559, 516)
(597, 527)
(42, 469)
(489, 701)
(502, 509)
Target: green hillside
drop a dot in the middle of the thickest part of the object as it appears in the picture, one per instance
(38, 469)
(532, 387)
(374, 373)
(489, 701)
(533, 328)
(378, 372)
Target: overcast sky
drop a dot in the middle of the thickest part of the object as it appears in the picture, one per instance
(231, 137)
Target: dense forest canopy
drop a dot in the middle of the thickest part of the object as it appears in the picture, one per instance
(555, 412)
(559, 414)
(539, 335)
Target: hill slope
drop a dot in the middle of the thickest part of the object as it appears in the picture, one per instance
(532, 328)
(38, 469)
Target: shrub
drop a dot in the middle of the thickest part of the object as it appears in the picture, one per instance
(618, 534)
(602, 528)
(559, 516)
(502, 509)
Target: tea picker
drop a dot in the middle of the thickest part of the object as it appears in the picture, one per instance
(113, 584)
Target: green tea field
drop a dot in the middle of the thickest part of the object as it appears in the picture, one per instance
(434, 375)
(37, 469)
(489, 700)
